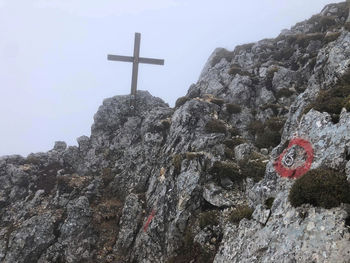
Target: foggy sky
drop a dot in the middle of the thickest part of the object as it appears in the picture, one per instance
(53, 68)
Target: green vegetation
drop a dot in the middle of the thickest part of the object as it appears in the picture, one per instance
(181, 101)
(177, 160)
(107, 176)
(32, 159)
(165, 124)
(334, 99)
(326, 22)
(347, 222)
(233, 108)
(347, 26)
(320, 187)
(208, 218)
(193, 155)
(347, 103)
(223, 53)
(284, 92)
(268, 134)
(161, 126)
(253, 166)
(191, 251)
(232, 143)
(303, 40)
(237, 141)
(47, 177)
(233, 131)
(269, 77)
(312, 64)
(322, 23)
(269, 202)
(229, 154)
(235, 69)
(268, 139)
(217, 101)
(330, 37)
(226, 169)
(254, 127)
(245, 47)
(239, 213)
(283, 54)
(275, 123)
(215, 126)
(229, 143)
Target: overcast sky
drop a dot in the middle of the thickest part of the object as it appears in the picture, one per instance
(53, 68)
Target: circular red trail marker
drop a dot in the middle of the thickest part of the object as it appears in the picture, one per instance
(294, 172)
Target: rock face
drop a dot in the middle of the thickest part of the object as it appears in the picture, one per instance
(195, 183)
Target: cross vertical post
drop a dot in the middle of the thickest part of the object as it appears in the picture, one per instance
(136, 59)
(135, 66)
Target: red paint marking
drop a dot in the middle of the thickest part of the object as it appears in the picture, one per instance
(299, 171)
(149, 219)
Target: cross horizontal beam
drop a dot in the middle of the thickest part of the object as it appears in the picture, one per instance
(135, 60)
(131, 59)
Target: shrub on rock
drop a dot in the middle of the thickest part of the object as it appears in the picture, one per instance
(332, 36)
(334, 99)
(226, 169)
(215, 126)
(254, 127)
(268, 139)
(347, 26)
(239, 213)
(217, 101)
(284, 92)
(233, 108)
(275, 123)
(234, 131)
(208, 218)
(235, 69)
(269, 202)
(320, 187)
(181, 101)
(253, 167)
(177, 160)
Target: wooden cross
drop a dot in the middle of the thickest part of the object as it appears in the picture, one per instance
(136, 59)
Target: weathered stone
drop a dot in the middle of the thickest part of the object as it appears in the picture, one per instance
(264, 151)
(220, 197)
(129, 222)
(131, 191)
(60, 146)
(243, 151)
(261, 214)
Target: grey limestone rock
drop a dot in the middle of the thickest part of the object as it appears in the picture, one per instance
(138, 187)
(243, 151)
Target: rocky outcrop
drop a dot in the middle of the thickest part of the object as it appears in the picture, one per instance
(195, 183)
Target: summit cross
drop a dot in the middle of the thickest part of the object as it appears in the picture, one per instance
(136, 59)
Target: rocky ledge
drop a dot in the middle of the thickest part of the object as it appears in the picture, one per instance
(198, 182)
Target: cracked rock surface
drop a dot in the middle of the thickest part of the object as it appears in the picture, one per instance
(164, 184)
